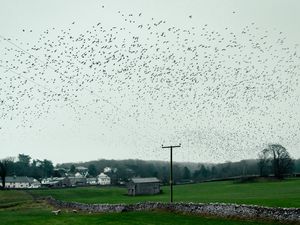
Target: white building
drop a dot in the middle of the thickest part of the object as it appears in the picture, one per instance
(82, 170)
(78, 180)
(35, 184)
(21, 182)
(78, 175)
(103, 179)
(107, 170)
(56, 182)
(91, 181)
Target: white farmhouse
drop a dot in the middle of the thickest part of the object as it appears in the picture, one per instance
(91, 181)
(103, 179)
(21, 182)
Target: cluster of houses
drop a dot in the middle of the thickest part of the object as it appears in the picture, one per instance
(80, 178)
(136, 186)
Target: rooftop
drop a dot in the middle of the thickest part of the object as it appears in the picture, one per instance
(81, 168)
(15, 179)
(145, 180)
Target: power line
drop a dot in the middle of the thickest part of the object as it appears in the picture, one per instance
(171, 168)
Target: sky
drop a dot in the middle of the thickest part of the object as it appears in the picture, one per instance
(85, 80)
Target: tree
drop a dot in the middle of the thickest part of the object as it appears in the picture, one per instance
(177, 173)
(201, 174)
(92, 170)
(186, 173)
(5, 166)
(22, 166)
(24, 159)
(47, 167)
(214, 171)
(263, 163)
(280, 159)
(297, 166)
(72, 168)
(37, 171)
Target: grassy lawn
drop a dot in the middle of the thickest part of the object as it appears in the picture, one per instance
(18, 207)
(12, 198)
(36, 214)
(274, 193)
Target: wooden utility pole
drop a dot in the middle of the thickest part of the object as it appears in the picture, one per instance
(171, 168)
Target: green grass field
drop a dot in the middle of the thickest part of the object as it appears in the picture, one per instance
(31, 213)
(19, 208)
(273, 193)
(13, 198)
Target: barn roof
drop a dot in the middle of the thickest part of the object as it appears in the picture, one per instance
(145, 180)
(16, 179)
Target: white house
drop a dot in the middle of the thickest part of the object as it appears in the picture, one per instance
(103, 179)
(107, 170)
(91, 181)
(78, 175)
(82, 170)
(21, 182)
(35, 184)
(78, 179)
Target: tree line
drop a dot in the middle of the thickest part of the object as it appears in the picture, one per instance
(272, 161)
(23, 165)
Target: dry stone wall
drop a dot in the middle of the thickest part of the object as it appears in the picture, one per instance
(214, 209)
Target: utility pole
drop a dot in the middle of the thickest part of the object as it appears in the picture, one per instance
(171, 168)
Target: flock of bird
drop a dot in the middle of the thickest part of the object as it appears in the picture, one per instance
(218, 92)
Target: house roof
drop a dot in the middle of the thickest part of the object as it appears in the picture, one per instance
(145, 180)
(81, 168)
(103, 175)
(52, 182)
(16, 179)
(78, 175)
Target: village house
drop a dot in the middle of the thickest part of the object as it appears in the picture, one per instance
(35, 184)
(103, 179)
(144, 186)
(78, 180)
(21, 182)
(55, 182)
(91, 181)
(82, 170)
(107, 170)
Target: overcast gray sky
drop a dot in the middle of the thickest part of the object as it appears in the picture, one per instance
(219, 77)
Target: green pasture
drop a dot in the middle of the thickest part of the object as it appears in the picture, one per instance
(11, 198)
(20, 208)
(272, 193)
(39, 213)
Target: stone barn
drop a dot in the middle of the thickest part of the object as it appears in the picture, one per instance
(143, 186)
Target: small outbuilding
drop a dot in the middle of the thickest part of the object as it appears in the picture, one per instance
(144, 186)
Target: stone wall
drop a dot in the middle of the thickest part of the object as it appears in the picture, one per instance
(214, 209)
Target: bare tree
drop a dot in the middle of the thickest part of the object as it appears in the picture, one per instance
(263, 163)
(280, 159)
(5, 165)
